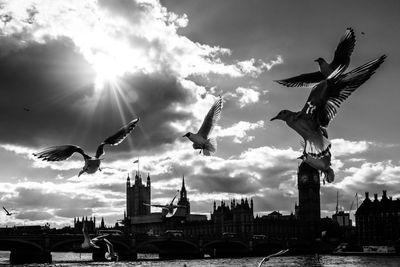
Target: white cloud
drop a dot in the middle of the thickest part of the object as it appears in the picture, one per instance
(239, 131)
(341, 147)
(248, 96)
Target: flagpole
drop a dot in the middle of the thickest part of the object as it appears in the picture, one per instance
(138, 162)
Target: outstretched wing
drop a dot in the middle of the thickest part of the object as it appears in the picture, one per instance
(98, 238)
(303, 80)
(57, 153)
(174, 198)
(158, 206)
(341, 87)
(110, 247)
(118, 137)
(344, 49)
(6, 210)
(211, 119)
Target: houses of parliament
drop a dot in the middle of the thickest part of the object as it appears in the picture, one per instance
(235, 216)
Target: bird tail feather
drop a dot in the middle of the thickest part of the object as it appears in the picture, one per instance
(211, 145)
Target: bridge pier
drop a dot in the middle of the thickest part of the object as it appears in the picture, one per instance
(21, 257)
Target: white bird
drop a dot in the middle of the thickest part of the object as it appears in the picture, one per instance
(88, 242)
(272, 255)
(169, 207)
(110, 254)
(200, 139)
(92, 164)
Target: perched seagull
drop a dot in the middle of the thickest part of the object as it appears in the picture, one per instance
(90, 243)
(328, 94)
(341, 58)
(7, 212)
(92, 164)
(169, 207)
(200, 139)
(272, 255)
(110, 254)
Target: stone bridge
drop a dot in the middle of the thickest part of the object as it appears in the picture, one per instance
(38, 248)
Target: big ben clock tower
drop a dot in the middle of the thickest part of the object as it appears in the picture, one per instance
(309, 201)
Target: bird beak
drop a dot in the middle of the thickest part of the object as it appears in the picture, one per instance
(184, 135)
(315, 60)
(274, 118)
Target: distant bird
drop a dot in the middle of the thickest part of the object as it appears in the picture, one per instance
(363, 33)
(110, 254)
(92, 164)
(200, 139)
(7, 212)
(328, 94)
(169, 207)
(341, 58)
(279, 253)
(90, 243)
(27, 109)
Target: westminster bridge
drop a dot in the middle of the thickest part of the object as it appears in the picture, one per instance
(37, 248)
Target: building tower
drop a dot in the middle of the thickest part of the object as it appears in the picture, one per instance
(309, 209)
(183, 200)
(136, 196)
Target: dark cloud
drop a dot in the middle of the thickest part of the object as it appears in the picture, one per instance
(30, 198)
(34, 215)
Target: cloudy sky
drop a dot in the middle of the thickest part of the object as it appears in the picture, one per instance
(73, 72)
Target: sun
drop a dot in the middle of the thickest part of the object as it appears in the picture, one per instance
(107, 70)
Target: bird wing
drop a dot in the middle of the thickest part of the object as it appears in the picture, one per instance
(211, 119)
(6, 210)
(118, 137)
(110, 247)
(98, 238)
(158, 206)
(174, 198)
(57, 153)
(303, 80)
(341, 87)
(344, 49)
(170, 214)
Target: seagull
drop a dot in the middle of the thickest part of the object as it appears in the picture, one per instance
(341, 58)
(200, 139)
(90, 243)
(7, 212)
(27, 109)
(272, 255)
(92, 164)
(328, 94)
(321, 163)
(110, 254)
(169, 207)
(321, 105)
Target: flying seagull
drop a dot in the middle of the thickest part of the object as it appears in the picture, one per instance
(110, 254)
(322, 163)
(272, 255)
(200, 139)
(169, 207)
(321, 105)
(92, 164)
(88, 242)
(7, 212)
(328, 94)
(341, 58)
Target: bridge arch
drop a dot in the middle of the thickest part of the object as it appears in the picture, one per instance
(167, 242)
(226, 248)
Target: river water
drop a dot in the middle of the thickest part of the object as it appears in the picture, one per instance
(85, 259)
